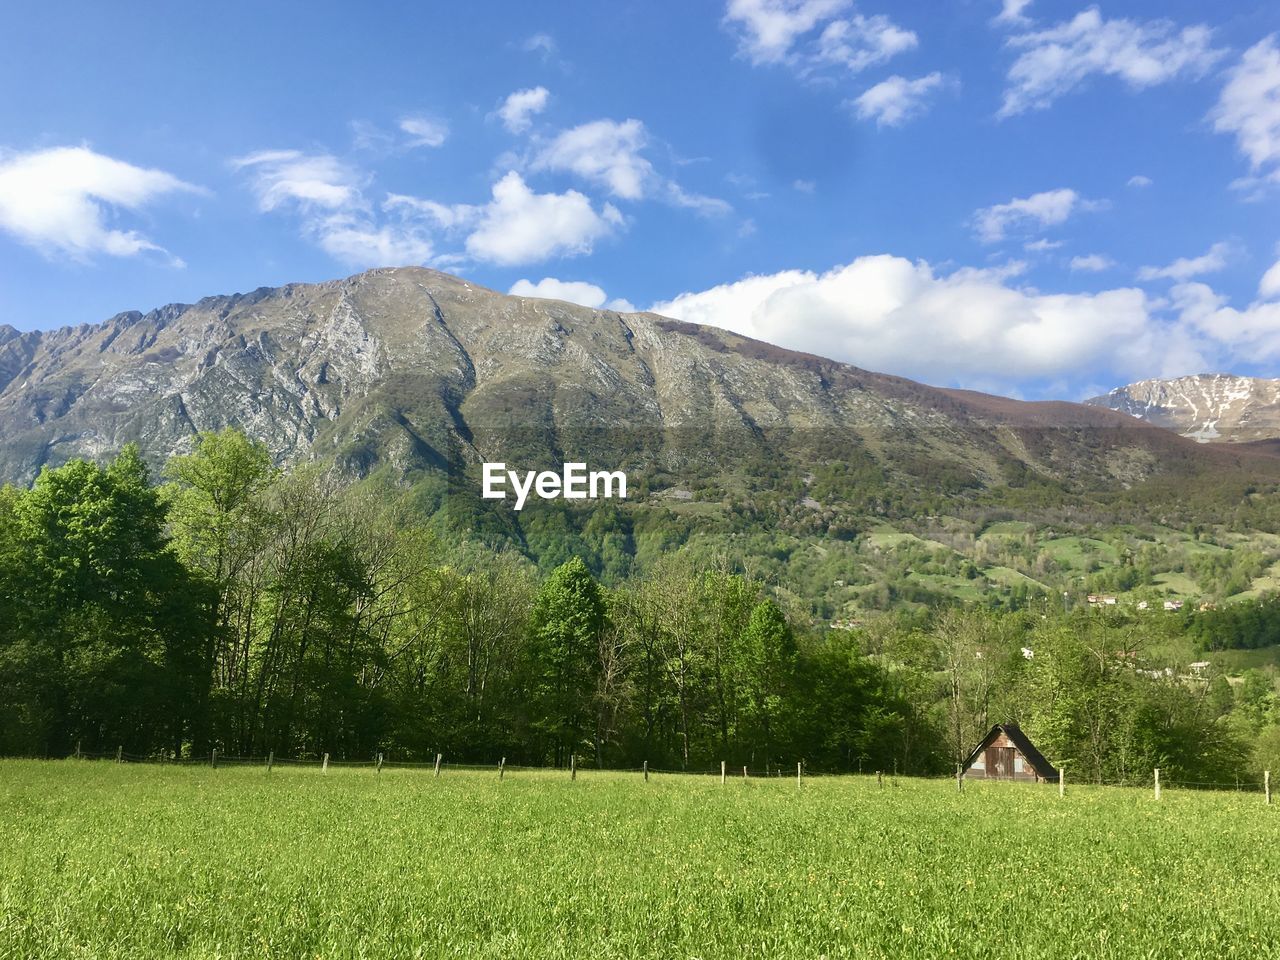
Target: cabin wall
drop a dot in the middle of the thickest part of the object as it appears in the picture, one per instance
(985, 766)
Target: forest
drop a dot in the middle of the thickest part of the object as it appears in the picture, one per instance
(228, 604)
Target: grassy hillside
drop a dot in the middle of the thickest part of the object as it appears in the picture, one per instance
(110, 861)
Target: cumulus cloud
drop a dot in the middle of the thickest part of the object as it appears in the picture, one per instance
(281, 177)
(518, 110)
(610, 154)
(1269, 285)
(1011, 12)
(362, 244)
(1039, 210)
(1250, 335)
(1138, 180)
(424, 131)
(605, 152)
(810, 35)
(1055, 61)
(1249, 108)
(571, 291)
(60, 200)
(1092, 263)
(519, 226)
(327, 196)
(767, 29)
(893, 102)
(861, 42)
(977, 328)
(968, 327)
(1184, 268)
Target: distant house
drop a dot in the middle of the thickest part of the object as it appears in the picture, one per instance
(1173, 604)
(1101, 600)
(1007, 754)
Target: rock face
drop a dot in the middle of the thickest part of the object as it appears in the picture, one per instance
(1206, 407)
(412, 369)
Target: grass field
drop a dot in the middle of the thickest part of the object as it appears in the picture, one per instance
(99, 860)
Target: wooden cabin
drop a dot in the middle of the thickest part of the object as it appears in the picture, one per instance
(1007, 754)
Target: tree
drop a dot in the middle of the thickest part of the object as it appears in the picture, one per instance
(106, 618)
(769, 655)
(564, 647)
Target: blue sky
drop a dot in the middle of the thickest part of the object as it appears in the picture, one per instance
(1043, 198)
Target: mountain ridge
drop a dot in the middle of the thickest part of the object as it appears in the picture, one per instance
(1218, 407)
(417, 369)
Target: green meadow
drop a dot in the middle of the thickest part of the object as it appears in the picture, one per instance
(99, 860)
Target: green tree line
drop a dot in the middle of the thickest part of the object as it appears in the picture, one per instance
(237, 607)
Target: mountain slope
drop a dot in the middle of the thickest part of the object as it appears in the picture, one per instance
(1210, 406)
(414, 369)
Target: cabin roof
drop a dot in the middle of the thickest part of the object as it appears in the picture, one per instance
(1039, 764)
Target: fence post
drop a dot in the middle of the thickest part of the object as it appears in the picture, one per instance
(378, 767)
(271, 759)
(573, 766)
(646, 771)
(439, 757)
(1157, 783)
(959, 778)
(722, 772)
(213, 758)
(77, 749)
(324, 767)
(880, 779)
(1062, 782)
(1266, 785)
(798, 762)
(744, 773)
(119, 754)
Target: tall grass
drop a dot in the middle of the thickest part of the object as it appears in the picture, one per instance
(99, 860)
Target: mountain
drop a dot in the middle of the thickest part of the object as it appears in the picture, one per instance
(410, 369)
(1205, 407)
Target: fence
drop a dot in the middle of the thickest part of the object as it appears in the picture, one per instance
(1158, 783)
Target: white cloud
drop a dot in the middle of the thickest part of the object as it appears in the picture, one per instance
(767, 29)
(1055, 61)
(1251, 335)
(1249, 105)
(424, 131)
(360, 244)
(1184, 268)
(326, 195)
(976, 328)
(1269, 285)
(609, 153)
(520, 107)
(1045, 209)
(1011, 12)
(542, 44)
(861, 42)
(1042, 245)
(309, 180)
(1138, 180)
(894, 101)
(1092, 263)
(571, 291)
(605, 152)
(59, 201)
(812, 35)
(804, 186)
(888, 314)
(519, 226)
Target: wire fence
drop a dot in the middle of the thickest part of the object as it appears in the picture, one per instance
(1156, 781)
